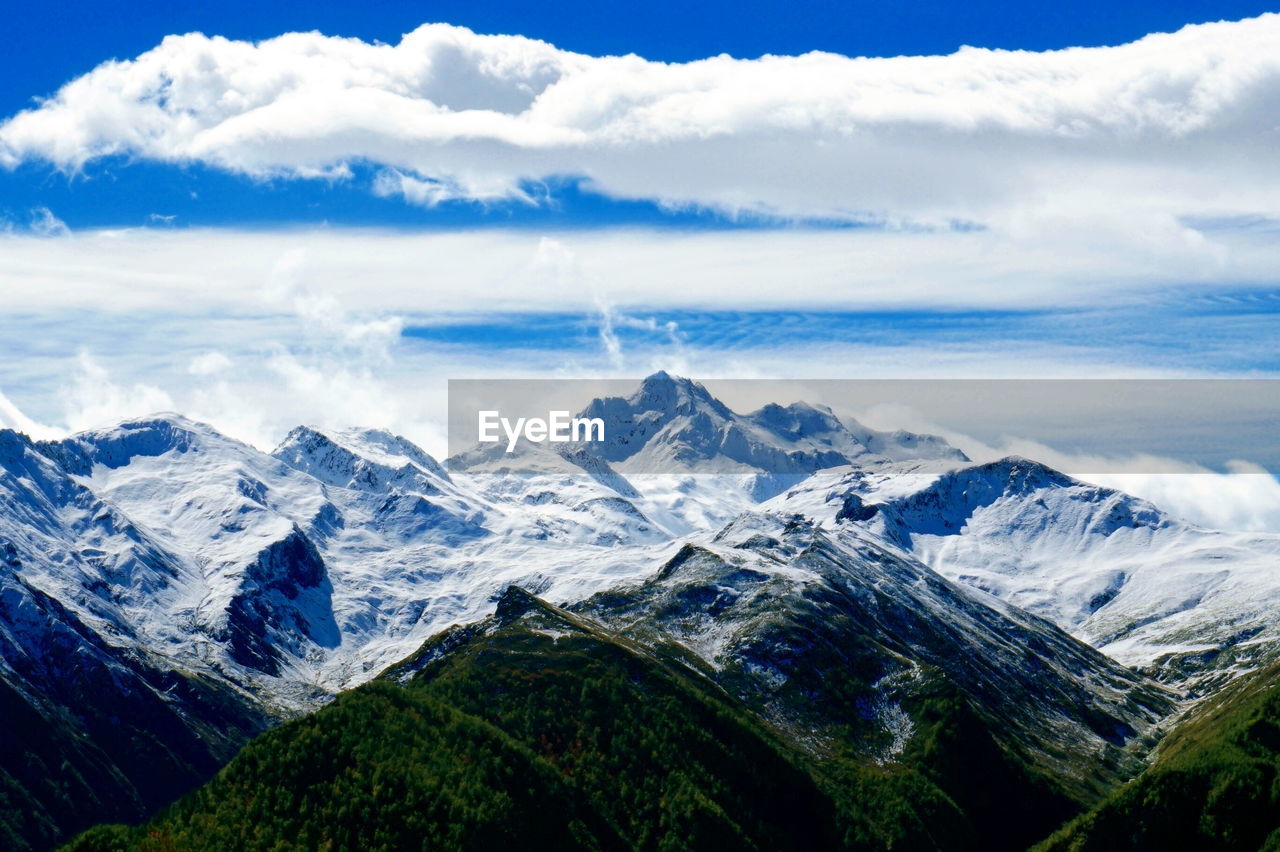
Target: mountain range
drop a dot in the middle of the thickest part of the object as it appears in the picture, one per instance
(938, 653)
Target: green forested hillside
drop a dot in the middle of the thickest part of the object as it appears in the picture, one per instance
(539, 731)
(1214, 786)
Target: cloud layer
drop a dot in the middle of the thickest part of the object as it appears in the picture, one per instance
(194, 271)
(1168, 126)
(274, 328)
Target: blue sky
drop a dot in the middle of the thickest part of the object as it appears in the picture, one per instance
(261, 229)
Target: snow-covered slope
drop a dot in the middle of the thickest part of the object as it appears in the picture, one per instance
(412, 550)
(783, 610)
(298, 573)
(99, 720)
(1194, 605)
(249, 594)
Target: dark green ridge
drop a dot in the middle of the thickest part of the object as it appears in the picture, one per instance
(536, 729)
(1214, 785)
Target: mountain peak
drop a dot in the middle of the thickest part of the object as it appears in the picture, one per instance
(514, 603)
(367, 459)
(668, 394)
(115, 446)
(671, 423)
(797, 420)
(157, 422)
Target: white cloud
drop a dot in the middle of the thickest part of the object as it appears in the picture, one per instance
(208, 364)
(1138, 134)
(322, 312)
(432, 192)
(1243, 498)
(94, 398)
(45, 224)
(311, 321)
(11, 417)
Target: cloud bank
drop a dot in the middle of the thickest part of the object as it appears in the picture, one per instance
(1168, 126)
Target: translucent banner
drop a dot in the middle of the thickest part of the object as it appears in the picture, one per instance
(665, 424)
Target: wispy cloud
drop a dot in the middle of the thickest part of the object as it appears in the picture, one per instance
(187, 270)
(45, 224)
(38, 222)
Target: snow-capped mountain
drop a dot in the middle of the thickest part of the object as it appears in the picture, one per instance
(673, 424)
(308, 569)
(318, 564)
(1191, 605)
(209, 574)
(301, 572)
